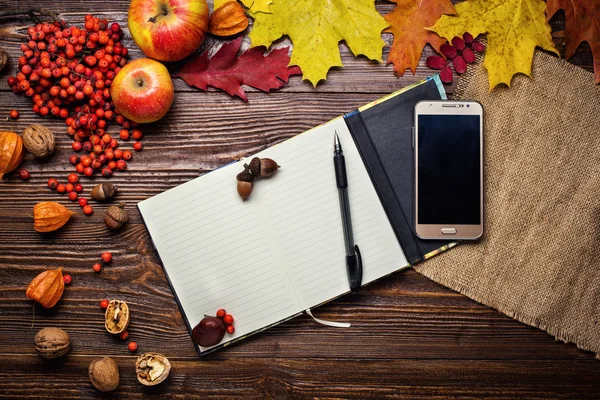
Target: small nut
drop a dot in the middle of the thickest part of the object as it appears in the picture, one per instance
(227, 20)
(104, 374)
(52, 343)
(116, 216)
(152, 368)
(3, 59)
(116, 317)
(244, 189)
(38, 140)
(104, 191)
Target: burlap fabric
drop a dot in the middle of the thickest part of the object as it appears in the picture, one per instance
(539, 259)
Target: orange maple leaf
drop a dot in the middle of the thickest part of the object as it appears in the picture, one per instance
(582, 24)
(407, 22)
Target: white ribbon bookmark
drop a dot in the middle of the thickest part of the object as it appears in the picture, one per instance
(328, 323)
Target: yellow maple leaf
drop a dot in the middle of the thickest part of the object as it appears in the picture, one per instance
(254, 6)
(316, 27)
(514, 29)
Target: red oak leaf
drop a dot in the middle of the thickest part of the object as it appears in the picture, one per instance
(227, 72)
(582, 22)
(407, 22)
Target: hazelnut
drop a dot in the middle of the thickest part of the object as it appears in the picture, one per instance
(116, 216)
(104, 374)
(52, 343)
(152, 368)
(38, 140)
(116, 317)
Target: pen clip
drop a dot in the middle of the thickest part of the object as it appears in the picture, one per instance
(355, 263)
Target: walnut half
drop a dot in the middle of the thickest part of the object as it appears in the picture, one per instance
(152, 368)
(116, 318)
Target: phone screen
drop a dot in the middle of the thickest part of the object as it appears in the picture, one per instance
(448, 169)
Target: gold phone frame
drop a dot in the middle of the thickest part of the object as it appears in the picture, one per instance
(435, 231)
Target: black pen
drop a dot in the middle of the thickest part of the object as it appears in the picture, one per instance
(353, 259)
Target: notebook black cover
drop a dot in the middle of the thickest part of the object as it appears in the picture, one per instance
(383, 133)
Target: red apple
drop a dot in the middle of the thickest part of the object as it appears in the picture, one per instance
(143, 91)
(168, 30)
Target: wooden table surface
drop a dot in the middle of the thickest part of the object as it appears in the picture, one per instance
(410, 337)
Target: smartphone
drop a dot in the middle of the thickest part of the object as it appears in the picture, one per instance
(448, 144)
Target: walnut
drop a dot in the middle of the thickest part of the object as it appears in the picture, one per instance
(38, 140)
(3, 59)
(52, 343)
(152, 368)
(116, 318)
(104, 374)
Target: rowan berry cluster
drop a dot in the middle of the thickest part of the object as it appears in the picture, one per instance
(67, 72)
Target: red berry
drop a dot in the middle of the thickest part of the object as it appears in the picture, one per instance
(77, 146)
(52, 183)
(124, 335)
(106, 257)
(221, 313)
(97, 267)
(132, 346)
(104, 304)
(478, 46)
(124, 134)
(14, 114)
(121, 165)
(24, 174)
(458, 43)
(73, 178)
(230, 329)
(448, 50)
(82, 202)
(61, 188)
(73, 196)
(137, 134)
(67, 278)
(127, 155)
(460, 66)
(107, 172)
(446, 74)
(88, 210)
(228, 319)
(69, 187)
(137, 146)
(78, 188)
(467, 37)
(468, 55)
(435, 62)
(88, 171)
(74, 159)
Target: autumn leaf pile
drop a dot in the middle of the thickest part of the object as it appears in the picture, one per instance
(514, 29)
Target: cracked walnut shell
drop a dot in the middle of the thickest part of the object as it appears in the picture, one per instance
(52, 343)
(116, 318)
(152, 368)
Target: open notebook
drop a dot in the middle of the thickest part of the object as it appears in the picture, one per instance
(280, 252)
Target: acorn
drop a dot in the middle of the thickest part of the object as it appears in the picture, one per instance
(244, 189)
(104, 191)
(262, 167)
(116, 216)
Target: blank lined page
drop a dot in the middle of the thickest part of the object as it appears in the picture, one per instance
(218, 253)
(301, 207)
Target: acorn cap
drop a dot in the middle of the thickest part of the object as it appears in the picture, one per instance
(118, 213)
(255, 166)
(245, 176)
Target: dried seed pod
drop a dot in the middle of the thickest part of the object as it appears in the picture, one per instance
(11, 152)
(3, 59)
(52, 343)
(268, 167)
(47, 288)
(245, 176)
(104, 374)
(227, 20)
(104, 191)
(49, 216)
(38, 140)
(116, 317)
(244, 189)
(152, 368)
(116, 216)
